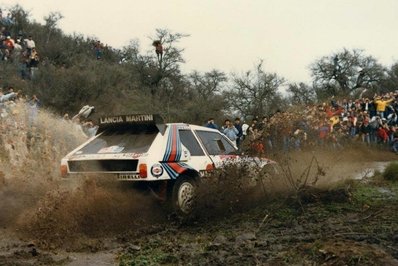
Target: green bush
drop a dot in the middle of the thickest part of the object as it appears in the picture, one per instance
(391, 172)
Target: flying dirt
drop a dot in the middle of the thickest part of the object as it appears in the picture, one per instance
(46, 219)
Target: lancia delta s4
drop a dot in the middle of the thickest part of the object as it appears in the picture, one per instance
(170, 159)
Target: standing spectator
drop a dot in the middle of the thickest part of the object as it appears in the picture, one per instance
(230, 131)
(158, 49)
(365, 130)
(33, 105)
(240, 132)
(33, 62)
(324, 131)
(381, 105)
(98, 48)
(253, 126)
(30, 44)
(8, 45)
(382, 133)
(211, 124)
(245, 127)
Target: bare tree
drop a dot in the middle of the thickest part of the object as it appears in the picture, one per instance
(390, 82)
(301, 93)
(51, 23)
(346, 71)
(253, 92)
(209, 83)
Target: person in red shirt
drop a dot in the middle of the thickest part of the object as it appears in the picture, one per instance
(8, 43)
(382, 133)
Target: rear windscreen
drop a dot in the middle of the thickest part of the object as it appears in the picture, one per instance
(123, 140)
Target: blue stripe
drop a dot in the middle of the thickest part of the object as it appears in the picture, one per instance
(168, 147)
(173, 174)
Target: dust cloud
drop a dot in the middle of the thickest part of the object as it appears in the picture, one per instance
(39, 204)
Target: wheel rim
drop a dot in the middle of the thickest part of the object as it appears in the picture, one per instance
(185, 197)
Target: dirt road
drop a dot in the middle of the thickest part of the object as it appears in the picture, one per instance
(94, 221)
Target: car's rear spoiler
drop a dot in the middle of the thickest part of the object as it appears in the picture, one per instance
(130, 121)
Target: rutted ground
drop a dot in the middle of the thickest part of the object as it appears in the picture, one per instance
(308, 214)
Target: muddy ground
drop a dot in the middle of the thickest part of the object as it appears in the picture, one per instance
(311, 213)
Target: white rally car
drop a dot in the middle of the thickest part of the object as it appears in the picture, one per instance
(167, 157)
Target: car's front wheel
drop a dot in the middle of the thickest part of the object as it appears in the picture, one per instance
(184, 193)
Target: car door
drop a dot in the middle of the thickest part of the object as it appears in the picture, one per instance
(198, 159)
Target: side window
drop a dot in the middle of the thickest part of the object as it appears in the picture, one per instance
(229, 149)
(189, 141)
(215, 143)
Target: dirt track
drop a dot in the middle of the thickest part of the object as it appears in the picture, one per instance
(90, 221)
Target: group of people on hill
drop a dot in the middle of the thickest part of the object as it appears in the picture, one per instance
(9, 98)
(335, 124)
(20, 120)
(19, 47)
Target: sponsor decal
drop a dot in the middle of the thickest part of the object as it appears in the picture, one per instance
(111, 149)
(126, 119)
(228, 157)
(156, 170)
(128, 176)
(134, 155)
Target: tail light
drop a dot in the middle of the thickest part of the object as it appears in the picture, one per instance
(64, 170)
(143, 170)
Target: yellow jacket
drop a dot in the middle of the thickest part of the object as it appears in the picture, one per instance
(381, 105)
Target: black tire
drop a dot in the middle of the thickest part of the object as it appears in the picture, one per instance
(184, 195)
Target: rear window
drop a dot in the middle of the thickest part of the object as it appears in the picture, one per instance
(121, 141)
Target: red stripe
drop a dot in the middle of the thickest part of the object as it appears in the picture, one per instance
(173, 152)
(176, 167)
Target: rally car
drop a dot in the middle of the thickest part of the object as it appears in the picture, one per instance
(166, 157)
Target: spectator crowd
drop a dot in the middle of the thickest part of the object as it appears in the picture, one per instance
(22, 131)
(335, 124)
(17, 46)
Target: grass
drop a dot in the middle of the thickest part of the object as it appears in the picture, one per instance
(391, 172)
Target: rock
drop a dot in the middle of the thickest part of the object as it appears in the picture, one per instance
(264, 243)
(395, 238)
(34, 252)
(245, 237)
(220, 240)
(134, 248)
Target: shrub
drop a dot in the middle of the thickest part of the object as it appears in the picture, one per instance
(391, 172)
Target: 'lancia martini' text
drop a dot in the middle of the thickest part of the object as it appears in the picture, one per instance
(126, 119)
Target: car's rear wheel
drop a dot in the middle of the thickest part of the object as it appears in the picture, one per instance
(184, 193)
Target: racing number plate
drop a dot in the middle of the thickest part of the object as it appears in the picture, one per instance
(128, 176)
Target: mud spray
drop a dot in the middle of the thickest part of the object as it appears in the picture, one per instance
(53, 212)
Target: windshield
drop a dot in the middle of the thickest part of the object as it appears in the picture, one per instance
(120, 141)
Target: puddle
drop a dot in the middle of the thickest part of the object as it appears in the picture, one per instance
(370, 169)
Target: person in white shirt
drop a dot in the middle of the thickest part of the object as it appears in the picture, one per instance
(30, 44)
